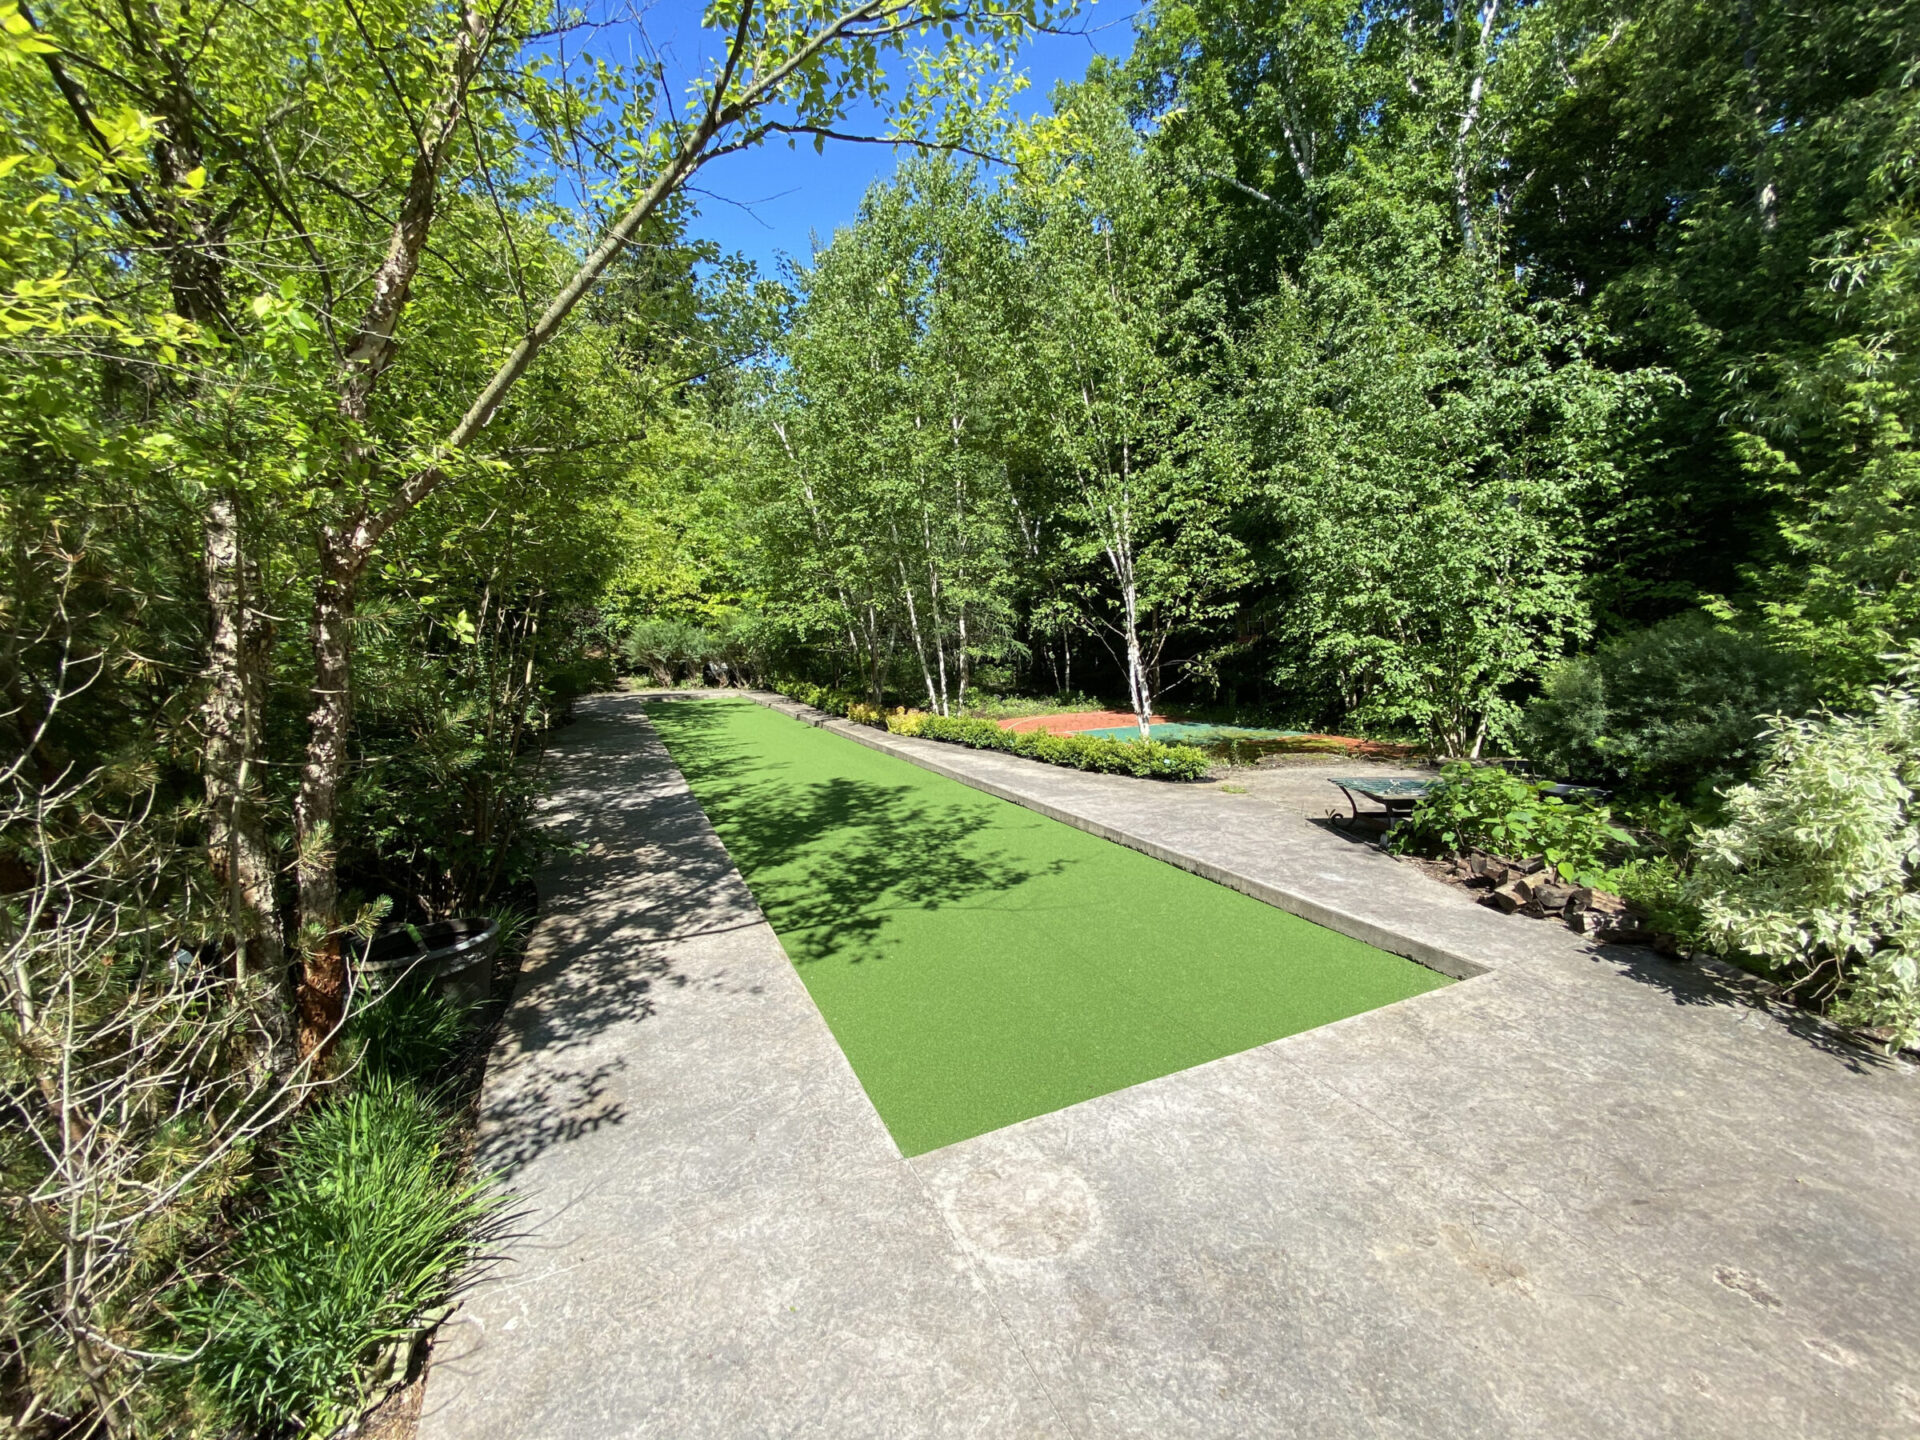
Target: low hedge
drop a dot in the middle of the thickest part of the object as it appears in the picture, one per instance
(1150, 759)
(835, 702)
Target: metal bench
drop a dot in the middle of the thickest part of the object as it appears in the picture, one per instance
(1396, 797)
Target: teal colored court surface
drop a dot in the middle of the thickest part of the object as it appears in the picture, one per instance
(979, 963)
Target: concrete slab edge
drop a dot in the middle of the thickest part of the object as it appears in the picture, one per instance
(1332, 917)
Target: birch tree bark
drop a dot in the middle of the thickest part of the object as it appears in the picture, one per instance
(241, 858)
(1472, 51)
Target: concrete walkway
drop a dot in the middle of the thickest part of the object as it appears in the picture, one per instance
(1576, 1195)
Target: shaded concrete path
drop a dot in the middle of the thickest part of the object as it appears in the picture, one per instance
(1575, 1195)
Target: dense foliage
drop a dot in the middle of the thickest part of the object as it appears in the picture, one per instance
(1813, 871)
(1671, 709)
(1486, 808)
(363, 1228)
(1526, 375)
(343, 349)
(1360, 366)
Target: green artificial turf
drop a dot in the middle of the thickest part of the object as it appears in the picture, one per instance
(979, 963)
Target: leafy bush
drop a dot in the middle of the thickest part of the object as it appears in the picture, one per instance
(1484, 807)
(1812, 873)
(986, 706)
(1150, 760)
(365, 1226)
(670, 649)
(1671, 709)
(1658, 887)
(825, 697)
(437, 812)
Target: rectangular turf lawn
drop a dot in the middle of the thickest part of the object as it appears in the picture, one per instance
(979, 963)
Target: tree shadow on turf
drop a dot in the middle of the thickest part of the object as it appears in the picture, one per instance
(831, 861)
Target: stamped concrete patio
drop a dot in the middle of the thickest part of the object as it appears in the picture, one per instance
(1577, 1195)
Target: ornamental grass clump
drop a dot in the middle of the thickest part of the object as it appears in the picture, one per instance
(1812, 874)
(366, 1225)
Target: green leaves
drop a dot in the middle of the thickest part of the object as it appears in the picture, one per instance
(1814, 869)
(366, 1224)
(1674, 708)
(1488, 808)
(284, 321)
(18, 37)
(1145, 759)
(1428, 445)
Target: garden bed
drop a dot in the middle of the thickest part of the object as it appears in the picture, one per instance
(1144, 759)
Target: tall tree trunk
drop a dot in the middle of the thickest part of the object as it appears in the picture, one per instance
(1137, 688)
(192, 240)
(1466, 40)
(323, 989)
(239, 651)
(936, 622)
(344, 552)
(960, 660)
(919, 645)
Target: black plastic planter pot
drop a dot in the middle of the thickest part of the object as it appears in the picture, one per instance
(454, 956)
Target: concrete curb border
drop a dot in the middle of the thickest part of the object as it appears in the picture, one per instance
(1331, 917)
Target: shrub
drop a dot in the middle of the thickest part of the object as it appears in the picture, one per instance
(1150, 760)
(826, 697)
(905, 722)
(668, 649)
(365, 1226)
(1485, 807)
(1812, 873)
(1671, 709)
(438, 809)
(987, 706)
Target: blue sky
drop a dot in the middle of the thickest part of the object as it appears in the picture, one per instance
(769, 202)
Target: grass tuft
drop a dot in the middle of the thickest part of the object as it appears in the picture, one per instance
(367, 1224)
(410, 1032)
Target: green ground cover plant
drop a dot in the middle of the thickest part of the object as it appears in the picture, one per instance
(1641, 855)
(979, 963)
(362, 1217)
(1486, 807)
